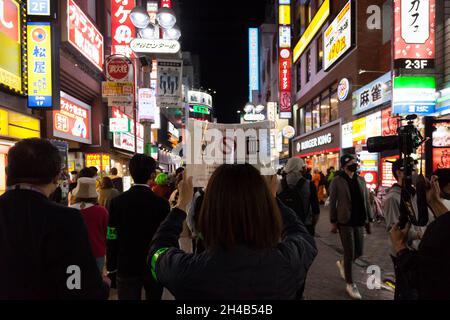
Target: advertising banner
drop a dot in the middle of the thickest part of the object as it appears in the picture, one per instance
(122, 29)
(147, 104)
(39, 65)
(169, 83)
(117, 89)
(414, 95)
(253, 52)
(73, 121)
(84, 36)
(285, 84)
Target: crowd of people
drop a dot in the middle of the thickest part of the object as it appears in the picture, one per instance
(244, 236)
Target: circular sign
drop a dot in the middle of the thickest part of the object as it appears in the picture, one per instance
(343, 89)
(285, 54)
(288, 132)
(39, 35)
(117, 69)
(369, 177)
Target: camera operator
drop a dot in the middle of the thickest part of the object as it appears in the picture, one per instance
(391, 208)
(427, 269)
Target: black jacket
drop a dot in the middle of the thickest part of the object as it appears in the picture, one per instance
(39, 241)
(427, 270)
(134, 218)
(239, 274)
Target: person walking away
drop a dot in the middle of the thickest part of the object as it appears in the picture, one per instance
(84, 173)
(426, 269)
(330, 176)
(162, 187)
(350, 211)
(308, 175)
(300, 194)
(134, 218)
(321, 190)
(391, 209)
(95, 217)
(268, 268)
(116, 180)
(107, 192)
(45, 252)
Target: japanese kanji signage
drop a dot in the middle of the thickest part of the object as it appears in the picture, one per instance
(126, 141)
(147, 104)
(166, 3)
(73, 121)
(10, 42)
(253, 47)
(84, 36)
(414, 95)
(117, 89)
(98, 160)
(155, 46)
(117, 125)
(39, 65)
(122, 29)
(338, 37)
(285, 84)
(414, 45)
(373, 95)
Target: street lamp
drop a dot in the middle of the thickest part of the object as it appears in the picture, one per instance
(148, 32)
(173, 33)
(166, 18)
(139, 17)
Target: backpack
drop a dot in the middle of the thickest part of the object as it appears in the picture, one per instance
(295, 200)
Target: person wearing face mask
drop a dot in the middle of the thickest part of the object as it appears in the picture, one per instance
(350, 211)
(41, 241)
(443, 176)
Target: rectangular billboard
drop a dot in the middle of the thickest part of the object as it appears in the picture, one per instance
(253, 44)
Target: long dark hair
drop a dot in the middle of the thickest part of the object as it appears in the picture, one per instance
(238, 209)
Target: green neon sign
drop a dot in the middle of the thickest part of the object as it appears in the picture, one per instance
(201, 109)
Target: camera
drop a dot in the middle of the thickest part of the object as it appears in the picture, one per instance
(407, 141)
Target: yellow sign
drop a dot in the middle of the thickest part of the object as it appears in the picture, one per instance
(39, 65)
(314, 27)
(11, 45)
(285, 14)
(117, 89)
(101, 161)
(19, 126)
(359, 130)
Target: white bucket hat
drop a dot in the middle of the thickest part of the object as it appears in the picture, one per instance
(85, 189)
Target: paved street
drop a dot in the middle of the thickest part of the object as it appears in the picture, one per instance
(324, 282)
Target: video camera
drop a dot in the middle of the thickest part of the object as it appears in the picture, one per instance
(407, 141)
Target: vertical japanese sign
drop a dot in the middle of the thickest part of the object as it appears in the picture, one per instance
(285, 84)
(253, 41)
(84, 36)
(39, 65)
(414, 45)
(10, 42)
(285, 59)
(122, 29)
(147, 104)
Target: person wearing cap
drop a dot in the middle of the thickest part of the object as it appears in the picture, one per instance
(95, 217)
(391, 210)
(300, 194)
(350, 211)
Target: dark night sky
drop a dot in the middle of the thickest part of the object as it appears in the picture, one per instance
(217, 30)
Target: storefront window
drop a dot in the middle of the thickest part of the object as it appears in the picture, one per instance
(308, 118)
(316, 113)
(325, 110)
(319, 53)
(334, 102)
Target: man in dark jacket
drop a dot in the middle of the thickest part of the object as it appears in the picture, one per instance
(427, 269)
(44, 248)
(350, 211)
(133, 220)
(116, 180)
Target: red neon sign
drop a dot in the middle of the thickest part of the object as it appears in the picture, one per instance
(122, 29)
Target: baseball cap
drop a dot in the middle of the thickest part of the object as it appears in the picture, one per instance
(346, 159)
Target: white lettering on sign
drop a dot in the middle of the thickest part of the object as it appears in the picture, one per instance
(317, 142)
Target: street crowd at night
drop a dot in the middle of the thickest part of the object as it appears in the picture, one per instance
(176, 150)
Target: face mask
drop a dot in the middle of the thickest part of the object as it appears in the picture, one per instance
(353, 167)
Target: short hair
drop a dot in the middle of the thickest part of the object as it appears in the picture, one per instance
(141, 168)
(107, 183)
(444, 177)
(94, 169)
(179, 171)
(87, 173)
(239, 209)
(74, 173)
(33, 161)
(114, 171)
